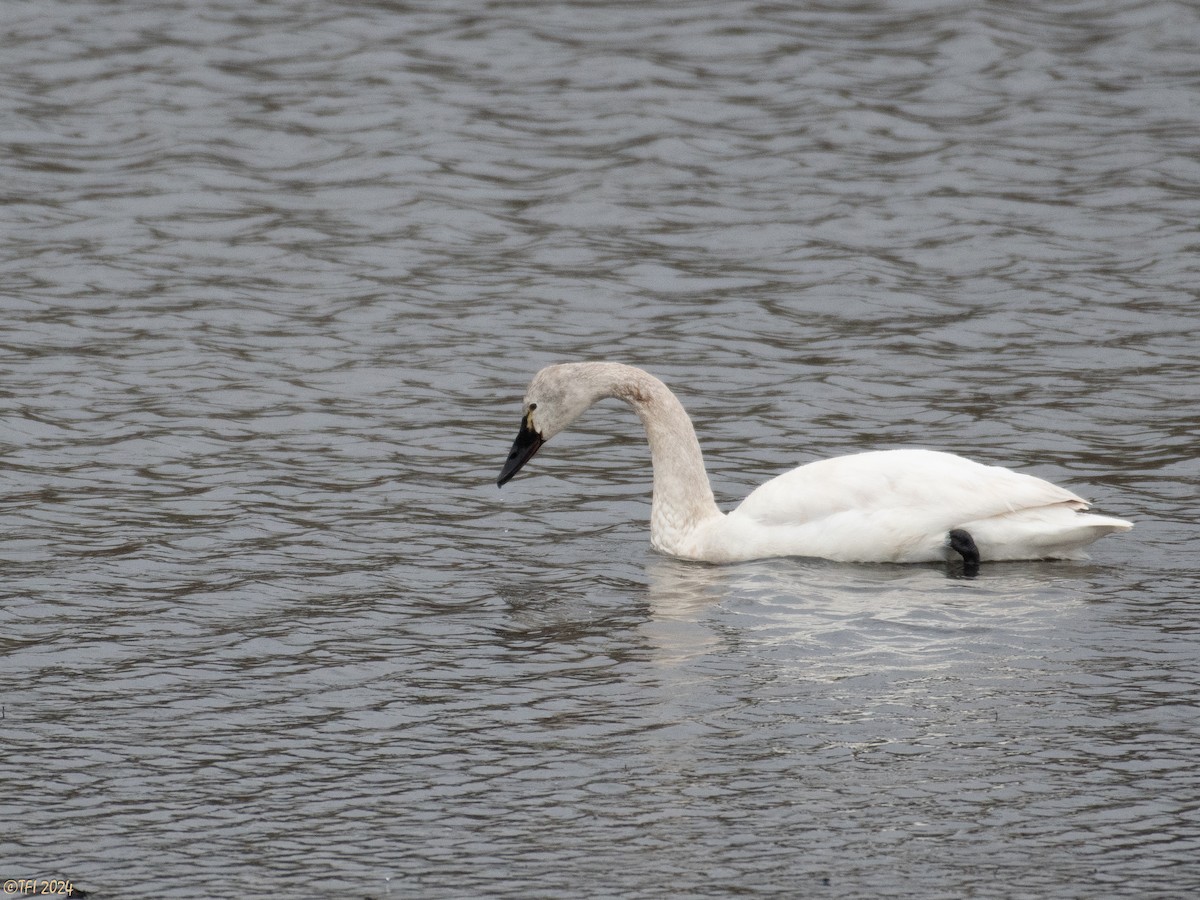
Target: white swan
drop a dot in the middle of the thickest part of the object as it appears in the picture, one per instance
(902, 506)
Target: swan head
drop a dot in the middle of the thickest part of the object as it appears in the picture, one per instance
(557, 396)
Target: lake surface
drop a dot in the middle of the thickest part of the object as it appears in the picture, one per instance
(273, 278)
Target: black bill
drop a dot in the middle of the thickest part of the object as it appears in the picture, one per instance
(527, 443)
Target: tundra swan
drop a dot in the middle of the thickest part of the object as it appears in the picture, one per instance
(902, 506)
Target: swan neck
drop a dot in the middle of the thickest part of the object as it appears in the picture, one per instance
(683, 496)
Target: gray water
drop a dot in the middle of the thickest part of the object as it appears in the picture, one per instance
(273, 278)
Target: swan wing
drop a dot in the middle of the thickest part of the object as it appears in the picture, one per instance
(921, 482)
(889, 505)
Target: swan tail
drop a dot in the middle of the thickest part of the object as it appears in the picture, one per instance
(1054, 532)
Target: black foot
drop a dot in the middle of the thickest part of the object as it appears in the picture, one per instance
(963, 544)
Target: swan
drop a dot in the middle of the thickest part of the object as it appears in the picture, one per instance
(896, 506)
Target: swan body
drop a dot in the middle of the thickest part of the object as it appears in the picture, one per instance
(902, 506)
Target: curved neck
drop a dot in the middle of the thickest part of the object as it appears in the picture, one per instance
(683, 496)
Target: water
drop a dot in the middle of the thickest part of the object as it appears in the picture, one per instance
(273, 280)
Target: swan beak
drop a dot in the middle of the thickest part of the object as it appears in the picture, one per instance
(527, 443)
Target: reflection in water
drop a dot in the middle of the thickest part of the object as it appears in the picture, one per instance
(845, 620)
(681, 589)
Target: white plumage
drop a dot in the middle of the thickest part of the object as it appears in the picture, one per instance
(881, 506)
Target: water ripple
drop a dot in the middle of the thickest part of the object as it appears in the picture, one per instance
(273, 282)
